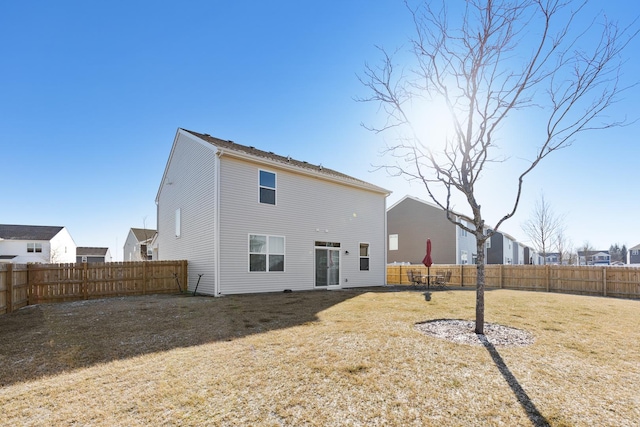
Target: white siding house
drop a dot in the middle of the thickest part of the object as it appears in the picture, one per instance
(251, 221)
(22, 244)
(137, 246)
(467, 250)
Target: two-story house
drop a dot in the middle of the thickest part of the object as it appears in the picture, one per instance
(532, 257)
(634, 255)
(249, 220)
(500, 249)
(411, 221)
(553, 258)
(138, 245)
(594, 258)
(22, 244)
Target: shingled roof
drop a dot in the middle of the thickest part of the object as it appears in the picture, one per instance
(288, 161)
(88, 251)
(143, 234)
(28, 232)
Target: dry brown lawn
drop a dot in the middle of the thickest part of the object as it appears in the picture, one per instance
(343, 358)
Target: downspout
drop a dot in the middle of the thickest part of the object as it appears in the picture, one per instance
(216, 225)
(386, 245)
(457, 239)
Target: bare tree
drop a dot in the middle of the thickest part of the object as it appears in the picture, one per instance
(544, 227)
(496, 59)
(564, 248)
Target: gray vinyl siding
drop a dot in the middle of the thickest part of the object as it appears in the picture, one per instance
(307, 210)
(495, 253)
(414, 222)
(189, 185)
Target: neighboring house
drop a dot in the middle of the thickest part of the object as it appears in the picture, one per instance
(87, 254)
(594, 258)
(531, 257)
(518, 253)
(634, 255)
(138, 245)
(466, 248)
(252, 221)
(500, 248)
(411, 221)
(553, 258)
(23, 244)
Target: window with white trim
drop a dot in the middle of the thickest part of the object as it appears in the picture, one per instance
(364, 257)
(34, 247)
(267, 187)
(266, 253)
(393, 242)
(463, 257)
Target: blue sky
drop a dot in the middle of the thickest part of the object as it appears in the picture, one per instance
(93, 92)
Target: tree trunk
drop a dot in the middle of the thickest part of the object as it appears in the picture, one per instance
(480, 244)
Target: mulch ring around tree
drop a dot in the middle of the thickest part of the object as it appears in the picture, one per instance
(463, 332)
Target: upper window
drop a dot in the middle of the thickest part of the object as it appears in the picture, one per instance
(364, 256)
(266, 253)
(635, 252)
(267, 187)
(34, 247)
(393, 242)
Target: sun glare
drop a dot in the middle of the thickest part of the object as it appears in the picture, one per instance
(433, 124)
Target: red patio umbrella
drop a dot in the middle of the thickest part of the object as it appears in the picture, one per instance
(428, 261)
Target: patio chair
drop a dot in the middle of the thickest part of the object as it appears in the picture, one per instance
(443, 277)
(414, 277)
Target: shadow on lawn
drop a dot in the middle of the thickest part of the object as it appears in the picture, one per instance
(43, 340)
(537, 419)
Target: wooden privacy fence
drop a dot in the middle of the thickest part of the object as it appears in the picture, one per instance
(22, 285)
(621, 282)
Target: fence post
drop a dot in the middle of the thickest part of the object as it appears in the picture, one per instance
(185, 275)
(501, 274)
(461, 275)
(29, 285)
(604, 281)
(9, 290)
(144, 278)
(85, 279)
(548, 277)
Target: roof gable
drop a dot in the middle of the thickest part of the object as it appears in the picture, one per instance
(286, 162)
(28, 232)
(593, 252)
(143, 234)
